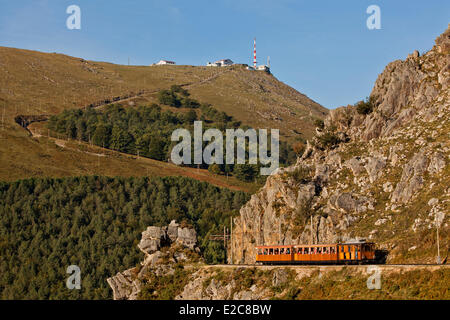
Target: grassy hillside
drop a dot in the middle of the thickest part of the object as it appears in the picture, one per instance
(34, 83)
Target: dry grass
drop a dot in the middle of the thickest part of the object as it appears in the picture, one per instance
(34, 83)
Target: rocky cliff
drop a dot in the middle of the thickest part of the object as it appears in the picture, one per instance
(166, 249)
(173, 269)
(377, 170)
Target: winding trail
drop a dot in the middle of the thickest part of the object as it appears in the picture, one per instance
(26, 122)
(171, 169)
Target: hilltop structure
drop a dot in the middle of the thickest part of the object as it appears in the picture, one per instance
(220, 63)
(262, 67)
(163, 62)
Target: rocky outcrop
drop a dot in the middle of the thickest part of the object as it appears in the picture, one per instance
(411, 180)
(385, 176)
(370, 170)
(163, 248)
(153, 238)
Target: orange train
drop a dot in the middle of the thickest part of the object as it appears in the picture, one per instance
(342, 253)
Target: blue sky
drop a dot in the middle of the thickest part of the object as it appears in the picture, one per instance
(321, 48)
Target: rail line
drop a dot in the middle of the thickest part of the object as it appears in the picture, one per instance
(327, 265)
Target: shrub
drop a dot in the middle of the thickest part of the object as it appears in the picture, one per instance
(319, 123)
(214, 168)
(365, 107)
(178, 89)
(189, 103)
(298, 148)
(300, 175)
(328, 140)
(168, 98)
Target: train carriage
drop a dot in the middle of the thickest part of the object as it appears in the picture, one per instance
(339, 253)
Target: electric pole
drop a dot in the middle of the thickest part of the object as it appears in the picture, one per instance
(279, 231)
(231, 241)
(438, 259)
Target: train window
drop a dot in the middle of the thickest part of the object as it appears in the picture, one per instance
(333, 250)
(288, 251)
(271, 251)
(299, 250)
(276, 251)
(265, 251)
(282, 251)
(319, 250)
(312, 250)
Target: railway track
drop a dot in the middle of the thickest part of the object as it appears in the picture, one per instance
(444, 266)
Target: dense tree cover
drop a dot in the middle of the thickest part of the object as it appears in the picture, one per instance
(95, 222)
(177, 97)
(146, 130)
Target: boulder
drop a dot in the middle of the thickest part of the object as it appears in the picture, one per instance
(437, 163)
(374, 167)
(187, 237)
(356, 165)
(152, 239)
(280, 277)
(411, 180)
(172, 231)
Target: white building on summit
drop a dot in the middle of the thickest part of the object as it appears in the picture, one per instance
(220, 63)
(163, 62)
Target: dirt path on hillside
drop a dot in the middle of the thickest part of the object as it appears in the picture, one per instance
(26, 122)
(174, 170)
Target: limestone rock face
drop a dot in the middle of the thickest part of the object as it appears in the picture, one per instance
(437, 163)
(187, 237)
(385, 177)
(124, 286)
(382, 165)
(347, 203)
(355, 165)
(152, 239)
(374, 168)
(172, 238)
(411, 180)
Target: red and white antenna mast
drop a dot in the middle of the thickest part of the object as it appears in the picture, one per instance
(254, 53)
